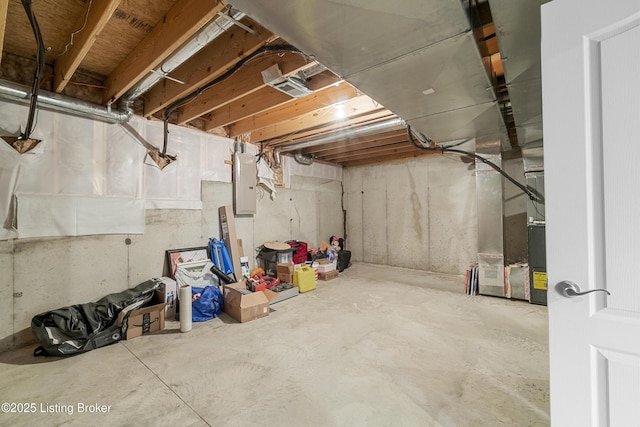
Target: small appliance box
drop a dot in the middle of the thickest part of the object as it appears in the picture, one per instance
(285, 272)
(168, 294)
(244, 305)
(143, 321)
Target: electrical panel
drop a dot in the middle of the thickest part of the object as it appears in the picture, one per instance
(245, 172)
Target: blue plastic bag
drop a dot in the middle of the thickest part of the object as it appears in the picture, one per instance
(206, 303)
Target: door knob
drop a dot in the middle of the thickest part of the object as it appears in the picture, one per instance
(569, 289)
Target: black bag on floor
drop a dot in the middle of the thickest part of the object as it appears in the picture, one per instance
(344, 260)
(83, 327)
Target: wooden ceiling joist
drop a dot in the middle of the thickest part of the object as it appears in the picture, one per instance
(382, 159)
(245, 81)
(387, 149)
(310, 103)
(207, 64)
(255, 103)
(326, 118)
(359, 143)
(96, 18)
(181, 22)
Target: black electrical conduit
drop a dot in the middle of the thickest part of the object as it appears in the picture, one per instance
(38, 72)
(444, 149)
(176, 104)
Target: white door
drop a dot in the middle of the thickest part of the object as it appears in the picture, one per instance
(591, 101)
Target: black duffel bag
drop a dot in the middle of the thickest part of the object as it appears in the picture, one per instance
(79, 328)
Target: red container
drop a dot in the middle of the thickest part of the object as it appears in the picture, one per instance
(299, 251)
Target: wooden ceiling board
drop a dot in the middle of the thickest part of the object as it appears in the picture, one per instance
(55, 19)
(128, 26)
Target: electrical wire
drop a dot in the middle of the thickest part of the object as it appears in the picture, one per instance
(38, 72)
(86, 17)
(176, 104)
(433, 147)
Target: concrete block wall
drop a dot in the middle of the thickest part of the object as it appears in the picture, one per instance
(419, 214)
(44, 274)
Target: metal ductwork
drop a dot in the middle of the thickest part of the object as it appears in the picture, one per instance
(385, 125)
(208, 33)
(489, 195)
(20, 93)
(303, 159)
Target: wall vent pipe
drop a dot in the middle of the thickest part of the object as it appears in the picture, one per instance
(53, 101)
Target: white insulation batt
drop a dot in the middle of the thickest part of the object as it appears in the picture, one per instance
(90, 177)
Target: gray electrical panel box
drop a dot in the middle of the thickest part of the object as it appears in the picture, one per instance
(245, 173)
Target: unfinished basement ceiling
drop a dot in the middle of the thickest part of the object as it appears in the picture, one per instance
(434, 64)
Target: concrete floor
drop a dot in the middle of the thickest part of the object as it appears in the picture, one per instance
(378, 346)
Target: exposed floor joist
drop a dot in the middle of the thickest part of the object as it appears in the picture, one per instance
(207, 64)
(181, 22)
(92, 23)
(244, 82)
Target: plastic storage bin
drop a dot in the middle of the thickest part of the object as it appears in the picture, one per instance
(304, 278)
(268, 259)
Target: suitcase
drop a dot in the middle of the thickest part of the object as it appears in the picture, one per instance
(299, 251)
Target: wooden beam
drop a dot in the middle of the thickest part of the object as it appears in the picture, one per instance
(340, 148)
(384, 150)
(244, 82)
(184, 20)
(257, 102)
(280, 113)
(210, 62)
(96, 18)
(326, 117)
(378, 160)
(359, 142)
(4, 6)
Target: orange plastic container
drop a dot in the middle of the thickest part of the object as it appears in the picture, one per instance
(304, 278)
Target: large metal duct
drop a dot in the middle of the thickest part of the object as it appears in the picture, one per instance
(419, 58)
(53, 101)
(489, 194)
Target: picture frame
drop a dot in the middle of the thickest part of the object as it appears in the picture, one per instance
(186, 255)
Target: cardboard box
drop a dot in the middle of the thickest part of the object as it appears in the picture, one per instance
(142, 321)
(324, 265)
(244, 305)
(285, 272)
(329, 275)
(168, 293)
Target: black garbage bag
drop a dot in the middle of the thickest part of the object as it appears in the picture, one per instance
(79, 328)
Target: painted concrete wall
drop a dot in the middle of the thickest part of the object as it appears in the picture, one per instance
(44, 274)
(419, 214)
